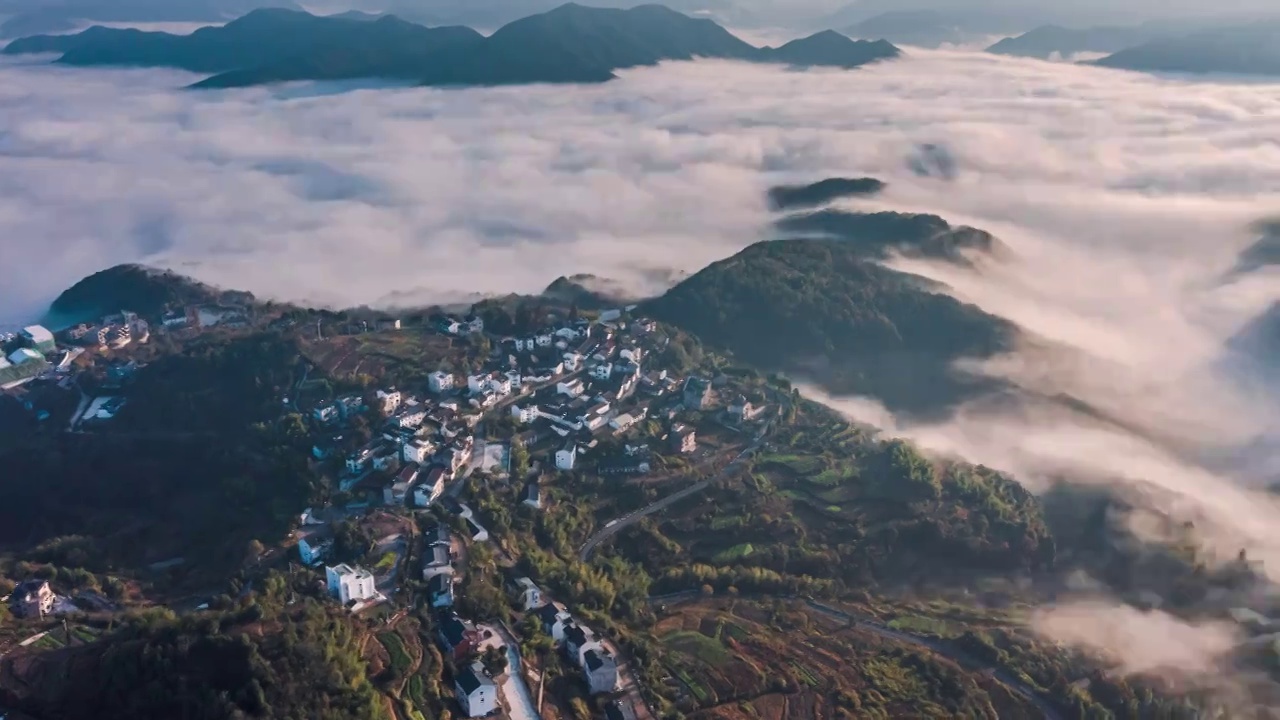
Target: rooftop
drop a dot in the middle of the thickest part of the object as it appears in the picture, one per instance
(345, 570)
(473, 678)
(38, 333)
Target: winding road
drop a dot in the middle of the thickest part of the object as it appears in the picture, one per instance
(613, 527)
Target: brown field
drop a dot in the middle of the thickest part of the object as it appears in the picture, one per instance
(742, 660)
(398, 352)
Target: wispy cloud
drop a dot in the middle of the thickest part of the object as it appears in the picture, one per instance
(346, 197)
(1138, 642)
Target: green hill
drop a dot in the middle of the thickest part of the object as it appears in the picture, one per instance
(144, 290)
(261, 661)
(825, 307)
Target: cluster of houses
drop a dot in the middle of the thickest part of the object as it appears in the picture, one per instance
(25, 359)
(112, 333)
(597, 665)
(459, 639)
(569, 385)
(423, 442)
(437, 567)
(475, 690)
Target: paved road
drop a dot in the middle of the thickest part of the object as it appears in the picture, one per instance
(515, 692)
(613, 527)
(629, 684)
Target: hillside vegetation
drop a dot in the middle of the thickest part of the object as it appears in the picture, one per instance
(825, 308)
(196, 464)
(257, 661)
(144, 290)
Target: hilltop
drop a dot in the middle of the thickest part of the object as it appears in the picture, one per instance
(820, 303)
(141, 289)
(570, 44)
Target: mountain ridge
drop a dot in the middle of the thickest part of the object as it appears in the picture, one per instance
(1252, 49)
(1048, 40)
(570, 44)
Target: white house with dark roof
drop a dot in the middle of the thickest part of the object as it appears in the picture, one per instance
(476, 691)
(567, 456)
(348, 583)
(600, 670)
(530, 594)
(438, 562)
(440, 381)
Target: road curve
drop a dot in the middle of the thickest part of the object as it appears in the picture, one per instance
(614, 526)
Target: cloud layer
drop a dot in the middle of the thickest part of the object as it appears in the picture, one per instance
(1125, 199)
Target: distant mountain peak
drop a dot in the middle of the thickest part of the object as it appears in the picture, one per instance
(572, 43)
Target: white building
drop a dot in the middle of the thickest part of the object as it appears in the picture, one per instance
(477, 384)
(440, 381)
(600, 671)
(431, 488)
(476, 692)
(530, 594)
(390, 401)
(419, 451)
(499, 385)
(566, 456)
(602, 371)
(24, 355)
(572, 388)
(623, 422)
(526, 414)
(38, 337)
(347, 583)
(410, 417)
(543, 339)
(571, 361)
(311, 550)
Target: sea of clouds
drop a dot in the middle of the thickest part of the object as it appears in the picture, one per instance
(1124, 199)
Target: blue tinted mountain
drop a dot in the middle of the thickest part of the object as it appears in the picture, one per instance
(787, 197)
(62, 15)
(1049, 40)
(820, 303)
(572, 43)
(141, 289)
(1247, 49)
